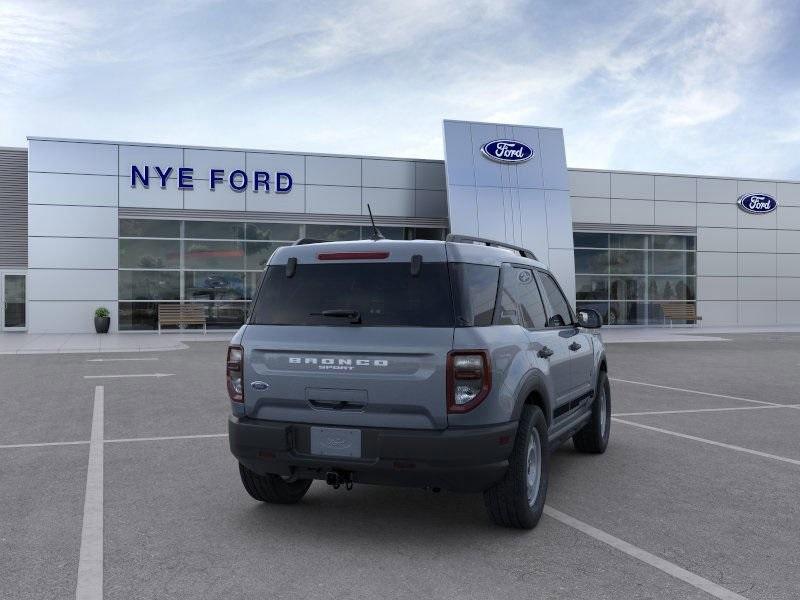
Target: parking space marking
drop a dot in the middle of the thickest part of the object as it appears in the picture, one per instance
(42, 444)
(703, 410)
(674, 389)
(119, 359)
(128, 375)
(90, 564)
(792, 461)
(701, 583)
(168, 437)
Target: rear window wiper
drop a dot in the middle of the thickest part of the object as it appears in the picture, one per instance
(341, 313)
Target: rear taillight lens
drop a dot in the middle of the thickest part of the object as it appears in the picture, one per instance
(235, 372)
(469, 379)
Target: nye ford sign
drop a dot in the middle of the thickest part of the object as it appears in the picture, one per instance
(237, 179)
(507, 151)
(757, 204)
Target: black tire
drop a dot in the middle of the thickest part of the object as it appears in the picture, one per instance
(593, 437)
(508, 501)
(273, 489)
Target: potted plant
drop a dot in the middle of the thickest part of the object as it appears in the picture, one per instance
(102, 320)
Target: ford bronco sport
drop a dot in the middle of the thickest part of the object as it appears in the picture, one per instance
(453, 365)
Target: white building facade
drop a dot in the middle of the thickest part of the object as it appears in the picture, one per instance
(130, 226)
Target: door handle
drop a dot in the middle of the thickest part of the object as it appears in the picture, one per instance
(574, 346)
(545, 352)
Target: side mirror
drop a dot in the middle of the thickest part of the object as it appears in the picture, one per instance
(590, 319)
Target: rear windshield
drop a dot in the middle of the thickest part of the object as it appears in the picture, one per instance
(383, 294)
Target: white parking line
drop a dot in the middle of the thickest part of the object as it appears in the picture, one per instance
(119, 359)
(709, 587)
(792, 461)
(41, 444)
(90, 564)
(169, 437)
(674, 389)
(128, 375)
(702, 410)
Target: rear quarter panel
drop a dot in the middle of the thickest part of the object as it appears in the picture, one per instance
(508, 351)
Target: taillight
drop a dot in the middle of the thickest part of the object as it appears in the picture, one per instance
(235, 373)
(469, 379)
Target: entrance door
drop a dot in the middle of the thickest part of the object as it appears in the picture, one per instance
(12, 292)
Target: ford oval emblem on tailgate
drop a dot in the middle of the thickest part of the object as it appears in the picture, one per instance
(259, 385)
(507, 151)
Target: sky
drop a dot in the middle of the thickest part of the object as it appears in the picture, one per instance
(688, 86)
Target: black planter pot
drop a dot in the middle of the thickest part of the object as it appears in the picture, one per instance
(101, 324)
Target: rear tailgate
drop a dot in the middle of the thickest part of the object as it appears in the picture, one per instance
(352, 334)
(354, 376)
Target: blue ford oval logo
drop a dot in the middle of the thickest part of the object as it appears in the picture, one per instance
(507, 151)
(757, 203)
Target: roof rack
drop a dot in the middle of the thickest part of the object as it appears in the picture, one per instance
(304, 241)
(468, 239)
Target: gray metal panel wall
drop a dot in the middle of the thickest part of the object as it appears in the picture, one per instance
(14, 208)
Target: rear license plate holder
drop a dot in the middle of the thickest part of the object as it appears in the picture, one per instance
(336, 441)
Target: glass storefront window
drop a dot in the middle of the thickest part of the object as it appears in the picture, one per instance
(590, 240)
(213, 285)
(149, 285)
(646, 271)
(272, 231)
(333, 233)
(628, 261)
(627, 288)
(200, 254)
(149, 228)
(214, 230)
(591, 261)
(591, 287)
(149, 254)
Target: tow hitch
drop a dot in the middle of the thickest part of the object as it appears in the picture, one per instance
(339, 478)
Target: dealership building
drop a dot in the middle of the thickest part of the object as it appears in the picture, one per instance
(131, 226)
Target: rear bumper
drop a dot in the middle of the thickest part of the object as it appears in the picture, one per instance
(458, 459)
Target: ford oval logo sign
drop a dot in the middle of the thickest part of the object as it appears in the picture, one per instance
(757, 204)
(507, 151)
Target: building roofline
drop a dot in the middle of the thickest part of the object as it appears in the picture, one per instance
(502, 124)
(226, 149)
(690, 175)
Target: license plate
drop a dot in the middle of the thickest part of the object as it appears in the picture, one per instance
(332, 441)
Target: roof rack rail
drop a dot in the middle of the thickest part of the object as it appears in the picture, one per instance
(468, 239)
(304, 241)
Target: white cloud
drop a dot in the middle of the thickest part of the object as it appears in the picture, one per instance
(37, 39)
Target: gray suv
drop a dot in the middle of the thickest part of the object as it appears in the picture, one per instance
(454, 365)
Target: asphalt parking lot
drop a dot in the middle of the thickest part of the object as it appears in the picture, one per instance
(696, 497)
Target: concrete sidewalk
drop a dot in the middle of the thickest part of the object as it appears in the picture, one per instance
(634, 335)
(66, 343)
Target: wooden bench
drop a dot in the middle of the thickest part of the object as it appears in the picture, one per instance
(680, 311)
(181, 314)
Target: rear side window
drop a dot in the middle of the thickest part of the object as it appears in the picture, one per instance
(474, 293)
(520, 301)
(384, 295)
(561, 314)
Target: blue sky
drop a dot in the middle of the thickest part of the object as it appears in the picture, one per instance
(706, 87)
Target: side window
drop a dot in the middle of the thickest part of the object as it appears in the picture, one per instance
(520, 302)
(561, 315)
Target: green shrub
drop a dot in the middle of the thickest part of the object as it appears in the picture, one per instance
(102, 312)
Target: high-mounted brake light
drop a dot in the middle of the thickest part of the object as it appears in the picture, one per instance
(352, 255)
(469, 379)
(235, 373)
